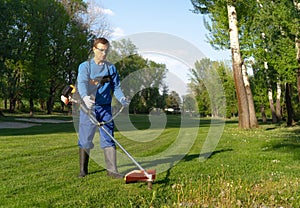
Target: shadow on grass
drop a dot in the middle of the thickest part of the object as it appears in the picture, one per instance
(186, 158)
(290, 143)
(96, 171)
(205, 155)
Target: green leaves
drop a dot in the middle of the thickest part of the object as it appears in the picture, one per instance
(47, 42)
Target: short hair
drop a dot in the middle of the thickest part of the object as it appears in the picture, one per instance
(100, 40)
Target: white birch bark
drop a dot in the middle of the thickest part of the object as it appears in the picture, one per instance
(252, 114)
(270, 96)
(243, 110)
(278, 102)
(297, 42)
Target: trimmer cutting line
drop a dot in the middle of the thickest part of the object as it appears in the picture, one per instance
(134, 176)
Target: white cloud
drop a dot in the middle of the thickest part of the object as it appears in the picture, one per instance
(106, 11)
(101, 11)
(117, 32)
(96, 8)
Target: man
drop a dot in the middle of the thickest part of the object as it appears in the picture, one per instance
(96, 79)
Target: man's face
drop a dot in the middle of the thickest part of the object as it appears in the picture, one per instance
(101, 51)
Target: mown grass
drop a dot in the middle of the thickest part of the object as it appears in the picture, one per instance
(249, 168)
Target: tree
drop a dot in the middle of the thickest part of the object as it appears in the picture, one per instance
(142, 79)
(73, 44)
(200, 88)
(246, 110)
(13, 34)
(202, 82)
(173, 101)
(96, 20)
(297, 41)
(43, 43)
(276, 32)
(237, 63)
(225, 73)
(40, 18)
(189, 105)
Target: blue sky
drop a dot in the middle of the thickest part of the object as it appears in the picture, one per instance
(174, 35)
(172, 17)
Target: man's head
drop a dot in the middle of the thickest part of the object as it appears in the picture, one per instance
(100, 49)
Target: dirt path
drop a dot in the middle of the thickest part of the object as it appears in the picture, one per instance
(29, 123)
(16, 125)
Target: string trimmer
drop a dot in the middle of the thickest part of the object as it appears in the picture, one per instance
(134, 176)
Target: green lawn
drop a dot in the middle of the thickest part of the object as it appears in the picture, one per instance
(249, 168)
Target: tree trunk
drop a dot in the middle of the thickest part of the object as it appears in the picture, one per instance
(243, 110)
(271, 103)
(50, 102)
(5, 103)
(270, 95)
(289, 107)
(42, 104)
(252, 114)
(12, 104)
(263, 113)
(31, 107)
(278, 104)
(298, 83)
(297, 44)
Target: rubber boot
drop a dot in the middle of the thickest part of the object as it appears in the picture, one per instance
(111, 162)
(83, 161)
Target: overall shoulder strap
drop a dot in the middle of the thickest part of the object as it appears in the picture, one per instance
(109, 74)
(89, 69)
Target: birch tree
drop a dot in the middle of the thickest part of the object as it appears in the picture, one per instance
(297, 44)
(246, 110)
(237, 63)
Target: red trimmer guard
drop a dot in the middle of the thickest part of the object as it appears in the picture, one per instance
(139, 176)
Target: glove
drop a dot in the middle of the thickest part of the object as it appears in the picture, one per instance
(88, 101)
(124, 102)
(64, 99)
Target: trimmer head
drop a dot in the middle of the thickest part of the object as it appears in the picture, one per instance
(140, 176)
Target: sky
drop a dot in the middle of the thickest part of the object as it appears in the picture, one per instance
(173, 17)
(174, 27)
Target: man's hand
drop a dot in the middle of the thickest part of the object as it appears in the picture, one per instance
(124, 102)
(88, 101)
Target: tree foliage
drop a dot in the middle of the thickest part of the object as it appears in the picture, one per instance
(142, 79)
(209, 100)
(267, 34)
(42, 45)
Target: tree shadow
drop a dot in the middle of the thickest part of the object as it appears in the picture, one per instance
(289, 144)
(206, 155)
(166, 180)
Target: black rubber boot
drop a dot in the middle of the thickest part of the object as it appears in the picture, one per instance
(111, 162)
(83, 162)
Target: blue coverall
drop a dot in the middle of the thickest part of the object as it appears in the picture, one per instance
(89, 79)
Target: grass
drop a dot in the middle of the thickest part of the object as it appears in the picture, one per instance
(249, 168)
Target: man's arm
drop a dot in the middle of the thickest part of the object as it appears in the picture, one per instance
(83, 79)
